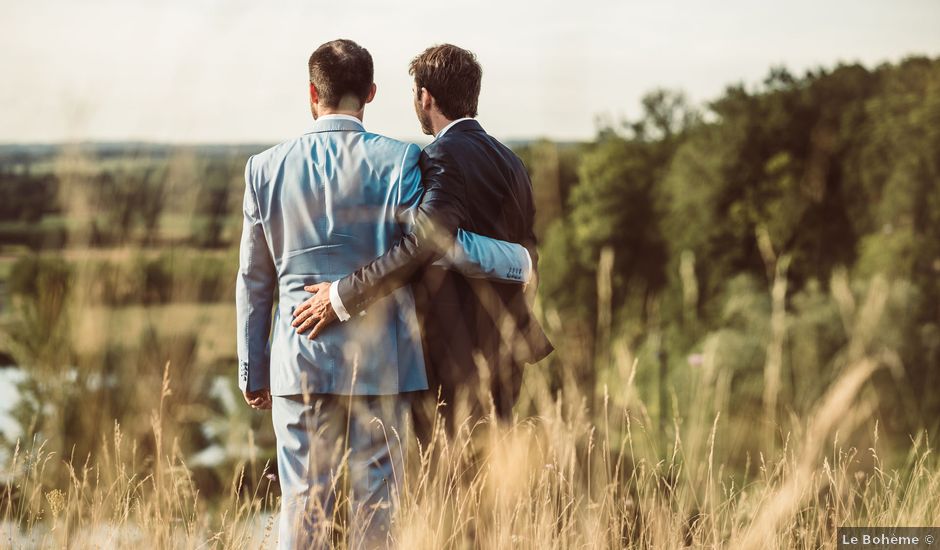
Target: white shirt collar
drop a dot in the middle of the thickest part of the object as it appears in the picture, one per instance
(445, 128)
(339, 116)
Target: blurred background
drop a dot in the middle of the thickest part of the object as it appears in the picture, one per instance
(735, 201)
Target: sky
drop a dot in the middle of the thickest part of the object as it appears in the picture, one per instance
(235, 71)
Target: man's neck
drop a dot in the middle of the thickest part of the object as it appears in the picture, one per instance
(355, 114)
(439, 123)
(450, 124)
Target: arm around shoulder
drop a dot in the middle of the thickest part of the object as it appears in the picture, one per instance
(439, 213)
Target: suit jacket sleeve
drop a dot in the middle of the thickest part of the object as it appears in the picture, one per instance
(436, 219)
(478, 257)
(472, 255)
(254, 295)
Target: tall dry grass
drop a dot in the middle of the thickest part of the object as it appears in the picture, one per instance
(562, 476)
(556, 480)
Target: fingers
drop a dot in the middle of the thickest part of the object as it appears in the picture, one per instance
(314, 289)
(303, 311)
(318, 328)
(306, 312)
(260, 399)
(261, 404)
(317, 287)
(308, 321)
(310, 316)
(265, 404)
(316, 312)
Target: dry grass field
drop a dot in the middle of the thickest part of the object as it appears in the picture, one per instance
(560, 477)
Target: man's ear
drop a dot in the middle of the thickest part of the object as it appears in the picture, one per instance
(371, 95)
(314, 96)
(427, 100)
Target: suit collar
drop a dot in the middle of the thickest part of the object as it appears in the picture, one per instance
(461, 125)
(337, 123)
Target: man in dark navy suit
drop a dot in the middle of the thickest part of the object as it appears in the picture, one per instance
(478, 334)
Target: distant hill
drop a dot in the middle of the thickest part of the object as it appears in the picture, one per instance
(105, 149)
(126, 148)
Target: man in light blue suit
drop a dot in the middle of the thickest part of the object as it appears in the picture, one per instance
(315, 209)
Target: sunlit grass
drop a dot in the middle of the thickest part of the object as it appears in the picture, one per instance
(560, 478)
(211, 324)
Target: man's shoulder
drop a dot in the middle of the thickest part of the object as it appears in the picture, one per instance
(274, 154)
(448, 145)
(377, 146)
(392, 148)
(461, 145)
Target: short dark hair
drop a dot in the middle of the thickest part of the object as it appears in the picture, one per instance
(452, 75)
(340, 68)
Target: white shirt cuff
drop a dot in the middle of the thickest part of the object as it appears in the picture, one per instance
(337, 302)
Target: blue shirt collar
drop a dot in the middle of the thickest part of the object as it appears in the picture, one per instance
(337, 123)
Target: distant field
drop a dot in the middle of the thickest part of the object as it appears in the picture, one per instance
(213, 324)
(127, 253)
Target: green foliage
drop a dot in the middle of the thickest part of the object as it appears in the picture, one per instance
(614, 203)
(125, 204)
(836, 169)
(553, 169)
(26, 197)
(49, 234)
(214, 204)
(33, 275)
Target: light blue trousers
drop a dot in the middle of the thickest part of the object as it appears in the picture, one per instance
(334, 448)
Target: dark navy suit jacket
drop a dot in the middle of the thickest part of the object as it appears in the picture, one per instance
(472, 182)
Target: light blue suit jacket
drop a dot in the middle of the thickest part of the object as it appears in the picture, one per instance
(315, 209)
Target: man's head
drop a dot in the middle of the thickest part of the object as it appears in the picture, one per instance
(447, 85)
(341, 74)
